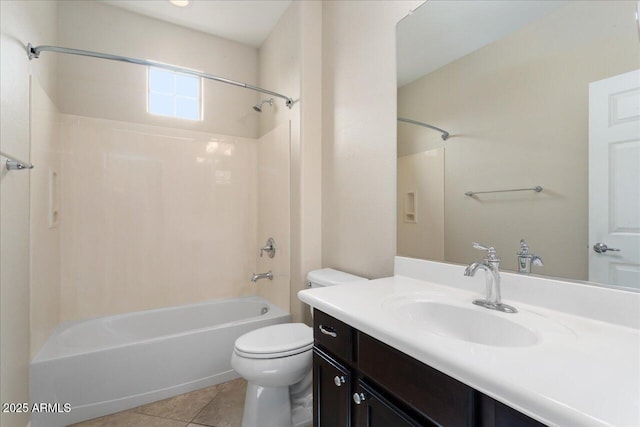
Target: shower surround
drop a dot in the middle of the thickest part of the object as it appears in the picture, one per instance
(156, 211)
(153, 216)
(156, 219)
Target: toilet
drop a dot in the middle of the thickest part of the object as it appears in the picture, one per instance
(276, 362)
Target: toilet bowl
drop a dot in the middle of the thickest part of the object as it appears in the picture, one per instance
(276, 362)
(272, 359)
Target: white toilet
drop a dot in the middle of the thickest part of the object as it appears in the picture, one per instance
(276, 362)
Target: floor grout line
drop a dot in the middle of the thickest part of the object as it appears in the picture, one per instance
(191, 420)
(202, 409)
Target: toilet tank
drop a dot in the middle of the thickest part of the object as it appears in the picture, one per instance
(331, 277)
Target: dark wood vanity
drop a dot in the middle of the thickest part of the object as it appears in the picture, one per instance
(361, 382)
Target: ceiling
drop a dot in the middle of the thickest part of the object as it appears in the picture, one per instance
(248, 21)
(441, 31)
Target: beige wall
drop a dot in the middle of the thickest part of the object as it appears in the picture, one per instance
(290, 61)
(20, 22)
(519, 118)
(117, 91)
(44, 263)
(306, 158)
(279, 69)
(359, 135)
(420, 204)
(153, 216)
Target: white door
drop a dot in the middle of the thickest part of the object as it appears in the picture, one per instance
(614, 180)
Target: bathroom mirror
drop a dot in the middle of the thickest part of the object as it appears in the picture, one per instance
(510, 83)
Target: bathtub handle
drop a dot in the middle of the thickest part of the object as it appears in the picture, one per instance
(328, 331)
(269, 248)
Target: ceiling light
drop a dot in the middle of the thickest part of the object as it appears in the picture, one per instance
(180, 3)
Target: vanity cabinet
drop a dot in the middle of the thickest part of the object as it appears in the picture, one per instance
(372, 409)
(362, 382)
(341, 399)
(332, 364)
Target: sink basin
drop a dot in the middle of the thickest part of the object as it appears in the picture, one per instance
(465, 322)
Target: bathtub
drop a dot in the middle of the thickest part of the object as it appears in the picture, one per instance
(109, 364)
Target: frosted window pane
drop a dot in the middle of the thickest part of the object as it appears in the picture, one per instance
(161, 81)
(187, 108)
(187, 86)
(161, 104)
(173, 94)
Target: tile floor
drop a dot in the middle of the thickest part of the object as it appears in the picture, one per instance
(217, 406)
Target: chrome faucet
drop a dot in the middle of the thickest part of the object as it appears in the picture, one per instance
(526, 259)
(258, 276)
(491, 267)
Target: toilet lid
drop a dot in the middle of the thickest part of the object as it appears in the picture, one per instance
(275, 341)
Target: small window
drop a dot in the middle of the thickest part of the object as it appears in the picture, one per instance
(173, 94)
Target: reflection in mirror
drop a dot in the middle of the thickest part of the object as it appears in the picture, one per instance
(533, 93)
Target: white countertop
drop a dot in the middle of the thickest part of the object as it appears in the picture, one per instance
(581, 372)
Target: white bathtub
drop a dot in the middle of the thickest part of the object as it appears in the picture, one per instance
(109, 364)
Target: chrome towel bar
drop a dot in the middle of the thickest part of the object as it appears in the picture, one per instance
(14, 164)
(537, 189)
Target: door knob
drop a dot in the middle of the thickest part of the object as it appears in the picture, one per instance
(339, 380)
(602, 248)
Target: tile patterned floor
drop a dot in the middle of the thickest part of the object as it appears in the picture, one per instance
(217, 406)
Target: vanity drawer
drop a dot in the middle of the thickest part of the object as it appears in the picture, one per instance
(333, 335)
(440, 398)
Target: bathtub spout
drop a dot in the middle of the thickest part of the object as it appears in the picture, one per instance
(258, 276)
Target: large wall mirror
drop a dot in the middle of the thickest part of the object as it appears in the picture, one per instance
(535, 95)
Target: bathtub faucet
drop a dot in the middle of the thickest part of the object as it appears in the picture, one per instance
(258, 276)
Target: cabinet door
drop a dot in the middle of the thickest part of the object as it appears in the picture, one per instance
(495, 414)
(429, 392)
(331, 392)
(373, 410)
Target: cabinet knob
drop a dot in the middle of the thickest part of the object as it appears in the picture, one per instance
(339, 380)
(358, 398)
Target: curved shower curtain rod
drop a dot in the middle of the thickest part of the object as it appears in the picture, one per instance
(34, 52)
(444, 133)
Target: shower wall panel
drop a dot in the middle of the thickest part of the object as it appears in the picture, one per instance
(153, 216)
(274, 218)
(44, 236)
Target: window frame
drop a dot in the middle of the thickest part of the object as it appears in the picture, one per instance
(175, 96)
